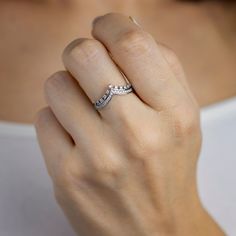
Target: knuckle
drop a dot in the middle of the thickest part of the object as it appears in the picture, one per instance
(108, 166)
(141, 136)
(143, 143)
(109, 163)
(82, 51)
(107, 176)
(134, 41)
(186, 121)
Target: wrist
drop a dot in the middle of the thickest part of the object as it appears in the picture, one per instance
(190, 218)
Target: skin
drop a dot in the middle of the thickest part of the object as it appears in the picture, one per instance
(205, 44)
(129, 168)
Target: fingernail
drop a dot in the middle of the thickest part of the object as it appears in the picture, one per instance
(96, 20)
(134, 21)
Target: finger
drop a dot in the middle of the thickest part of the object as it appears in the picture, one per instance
(89, 62)
(176, 68)
(72, 107)
(138, 55)
(54, 141)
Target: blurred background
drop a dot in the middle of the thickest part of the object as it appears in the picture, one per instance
(33, 34)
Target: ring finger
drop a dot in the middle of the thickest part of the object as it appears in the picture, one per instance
(89, 62)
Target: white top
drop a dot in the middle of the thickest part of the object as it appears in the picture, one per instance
(27, 205)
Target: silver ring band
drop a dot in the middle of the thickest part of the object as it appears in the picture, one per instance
(110, 92)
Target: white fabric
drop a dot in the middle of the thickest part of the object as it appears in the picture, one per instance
(27, 206)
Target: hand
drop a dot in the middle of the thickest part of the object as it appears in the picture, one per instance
(129, 168)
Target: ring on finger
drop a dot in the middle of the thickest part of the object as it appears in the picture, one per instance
(110, 92)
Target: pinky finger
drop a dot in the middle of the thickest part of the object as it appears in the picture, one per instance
(54, 141)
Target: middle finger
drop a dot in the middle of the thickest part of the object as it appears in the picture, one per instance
(138, 55)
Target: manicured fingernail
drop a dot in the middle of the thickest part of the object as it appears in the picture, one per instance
(134, 21)
(96, 20)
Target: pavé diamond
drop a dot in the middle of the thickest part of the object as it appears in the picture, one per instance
(112, 90)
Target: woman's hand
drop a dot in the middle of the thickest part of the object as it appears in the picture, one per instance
(128, 169)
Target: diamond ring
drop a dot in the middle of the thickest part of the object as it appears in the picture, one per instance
(110, 92)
